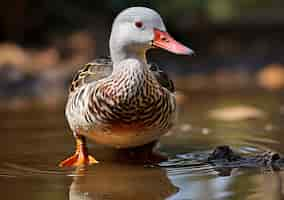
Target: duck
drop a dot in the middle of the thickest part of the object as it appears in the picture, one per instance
(124, 102)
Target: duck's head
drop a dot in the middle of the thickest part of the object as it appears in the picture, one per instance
(137, 29)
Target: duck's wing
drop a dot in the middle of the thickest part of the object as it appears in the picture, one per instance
(162, 77)
(92, 71)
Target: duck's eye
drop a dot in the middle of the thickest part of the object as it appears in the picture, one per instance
(139, 24)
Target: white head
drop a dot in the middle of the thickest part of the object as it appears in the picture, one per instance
(137, 29)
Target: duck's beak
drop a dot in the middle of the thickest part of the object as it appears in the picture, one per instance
(163, 40)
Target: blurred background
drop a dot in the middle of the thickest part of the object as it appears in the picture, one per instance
(238, 43)
(230, 92)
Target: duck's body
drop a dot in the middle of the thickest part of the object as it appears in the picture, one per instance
(125, 108)
(123, 103)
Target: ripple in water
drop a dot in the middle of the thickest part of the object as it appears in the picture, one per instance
(11, 170)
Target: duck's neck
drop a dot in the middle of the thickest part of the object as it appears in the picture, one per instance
(131, 68)
(118, 55)
(129, 64)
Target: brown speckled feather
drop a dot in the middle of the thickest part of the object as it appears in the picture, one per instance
(92, 71)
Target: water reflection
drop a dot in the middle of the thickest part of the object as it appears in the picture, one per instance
(121, 181)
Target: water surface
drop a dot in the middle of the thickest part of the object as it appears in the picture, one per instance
(34, 141)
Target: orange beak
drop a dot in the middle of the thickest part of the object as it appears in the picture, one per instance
(165, 41)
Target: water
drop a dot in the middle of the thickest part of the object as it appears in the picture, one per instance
(34, 141)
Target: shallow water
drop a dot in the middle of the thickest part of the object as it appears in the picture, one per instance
(35, 140)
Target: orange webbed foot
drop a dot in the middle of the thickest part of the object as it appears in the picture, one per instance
(80, 157)
(78, 160)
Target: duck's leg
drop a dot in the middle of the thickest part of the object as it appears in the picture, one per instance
(151, 155)
(143, 154)
(81, 156)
